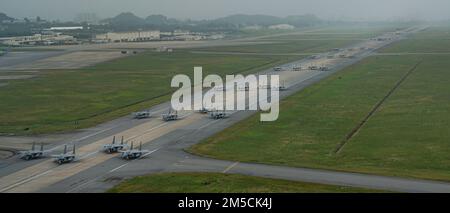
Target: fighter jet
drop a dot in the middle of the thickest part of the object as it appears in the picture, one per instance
(33, 153)
(170, 116)
(65, 157)
(313, 67)
(277, 69)
(113, 147)
(133, 153)
(296, 68)
(141, 114)
(323, 68)
(244, 88)
(282, 86)
(204, 110)
(218, 114)
(219, 88)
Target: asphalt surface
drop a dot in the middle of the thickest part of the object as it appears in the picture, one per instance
(97, 172)
(15, 58)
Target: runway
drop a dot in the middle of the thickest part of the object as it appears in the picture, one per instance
(97, 172)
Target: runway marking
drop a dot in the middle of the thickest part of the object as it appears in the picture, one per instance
(117, 168)
(87, 155)
(230, 167)
(25, 181)
(111, 171)
(205, 125)
(149, 153)
(83, 138)
(138, 135)
(84, 184)
(96, 133)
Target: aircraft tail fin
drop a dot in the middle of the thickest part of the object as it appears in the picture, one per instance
(42, 147)
(121, 141)
(131, 148)
(114, 140)
(140, 146)
(73, 151)
(34, 146)
(65, 149)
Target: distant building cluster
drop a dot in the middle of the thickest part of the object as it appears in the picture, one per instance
(128, 36)
(138, 36)
(58, 36)
(181, 35)
(67, 35)
(65, 28)
(40, 39)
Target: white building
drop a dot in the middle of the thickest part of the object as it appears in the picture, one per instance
(129, 36)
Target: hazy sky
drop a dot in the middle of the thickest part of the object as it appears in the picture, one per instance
(206, 9)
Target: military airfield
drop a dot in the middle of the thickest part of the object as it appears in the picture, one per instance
(165, 142)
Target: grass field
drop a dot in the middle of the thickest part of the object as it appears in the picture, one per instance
(59, 100)
(409, 135)
(222, 183)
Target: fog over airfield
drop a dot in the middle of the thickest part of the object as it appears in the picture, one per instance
(208, 9)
